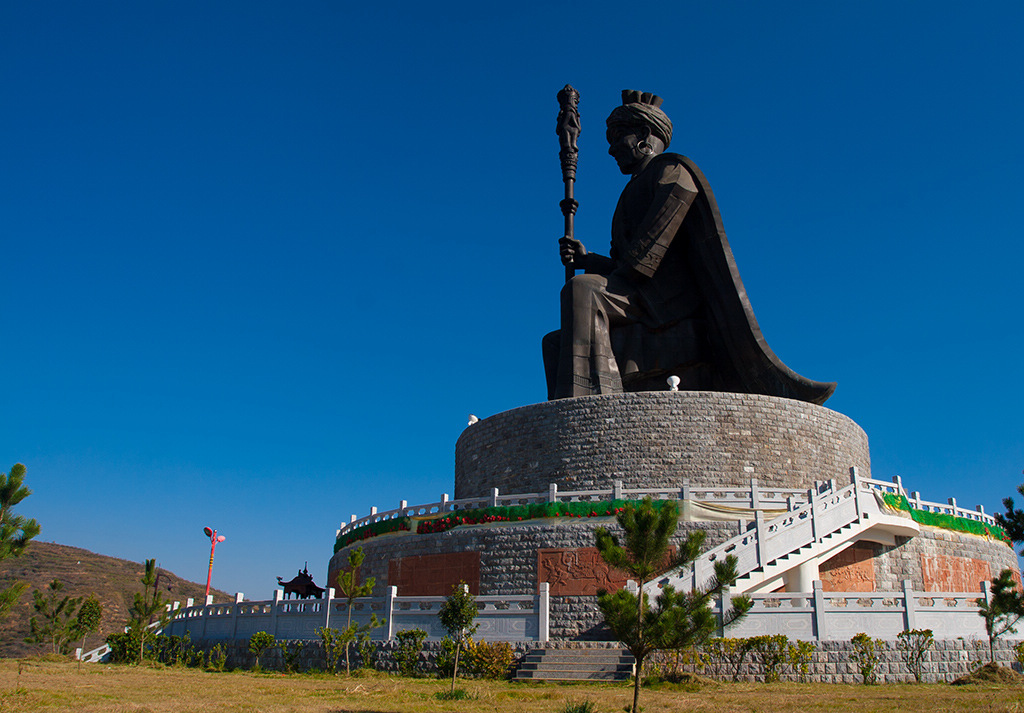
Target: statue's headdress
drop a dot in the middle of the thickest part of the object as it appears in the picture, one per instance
(642, 108)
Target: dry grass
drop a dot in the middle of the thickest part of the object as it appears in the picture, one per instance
(28, 686)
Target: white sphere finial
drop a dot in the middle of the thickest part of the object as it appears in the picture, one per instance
(472, 419)
(673, 383)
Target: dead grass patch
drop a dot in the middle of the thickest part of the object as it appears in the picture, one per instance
(59, 686)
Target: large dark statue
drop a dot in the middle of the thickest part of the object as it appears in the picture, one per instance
(668, 300)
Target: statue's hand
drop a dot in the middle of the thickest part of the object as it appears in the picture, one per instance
(571, 251)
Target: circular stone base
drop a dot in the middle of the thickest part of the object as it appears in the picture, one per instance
(658, 439)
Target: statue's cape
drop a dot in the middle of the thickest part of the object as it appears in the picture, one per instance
(745, 362)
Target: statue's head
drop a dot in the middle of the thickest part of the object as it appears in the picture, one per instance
(637, 130)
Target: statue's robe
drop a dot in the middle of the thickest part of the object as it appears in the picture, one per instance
(668, 300)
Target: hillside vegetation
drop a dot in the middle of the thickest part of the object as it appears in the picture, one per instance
(114, 582)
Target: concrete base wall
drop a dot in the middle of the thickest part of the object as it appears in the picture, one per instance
(658, 438)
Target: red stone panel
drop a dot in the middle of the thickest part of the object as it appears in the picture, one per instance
(852, 570)
(434, 575)
(578, 571)
(572, 572)
(946, 573)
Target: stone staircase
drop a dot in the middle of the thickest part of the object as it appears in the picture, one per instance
(576, 665)
(833, 519)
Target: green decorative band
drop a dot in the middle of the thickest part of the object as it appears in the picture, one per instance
(480, 516)
(365, 532)
(946, 522)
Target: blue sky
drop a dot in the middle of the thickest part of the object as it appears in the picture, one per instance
(262, 259)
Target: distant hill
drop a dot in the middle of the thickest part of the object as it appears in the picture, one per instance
(114, 582)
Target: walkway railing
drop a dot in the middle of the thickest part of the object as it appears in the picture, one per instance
(500, 618)
(755, 497)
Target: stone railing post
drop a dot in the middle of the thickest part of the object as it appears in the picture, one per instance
(723, 606)
(553, 492)
(952, 505)
(278, 596)
(444, 505)
(494, 497)
(684, 493)
(389, 606)
(544, 612)
(239, 597)
(819, 611)
(857, 494)
(813, 495)
(189, 603)
(755, 495)
(761, 532)
(205, 613)
(909, 606)
(981, 512)
(898, 482)
(402, 506)
(328, 599)
(616, 490)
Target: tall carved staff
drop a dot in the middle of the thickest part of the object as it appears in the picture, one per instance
(568, 131)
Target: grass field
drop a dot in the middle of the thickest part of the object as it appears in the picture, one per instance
(36, 685)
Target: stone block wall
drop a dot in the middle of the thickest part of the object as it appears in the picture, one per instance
(832, 662)
(658, 439)
(510, 556)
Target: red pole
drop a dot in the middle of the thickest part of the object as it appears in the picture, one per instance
(209, 572)
(214, 539)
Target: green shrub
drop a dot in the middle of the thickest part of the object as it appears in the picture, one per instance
(334, 646)
(258, 643)
(732, 651)
(913, 645)
(771, 652)
(489, 659)
(290, 652)
(124, 647)
(367, 649)
(866, 655)
(800, 653)
(445, 659)
(410, 644)
(217, 659)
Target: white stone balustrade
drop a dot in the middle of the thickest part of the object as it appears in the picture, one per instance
(755, 497)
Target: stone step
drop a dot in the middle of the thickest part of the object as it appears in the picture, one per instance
(573, 666)
(576, 665)
(583, 660)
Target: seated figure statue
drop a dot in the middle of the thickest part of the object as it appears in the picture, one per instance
(668, 300)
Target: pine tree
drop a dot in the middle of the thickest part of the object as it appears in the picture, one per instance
(1002, 611)
(57, 618)
(149, 606)
(1013, 520)
(677, 619)
(15, 530)
(351, 589)
(87, 621)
